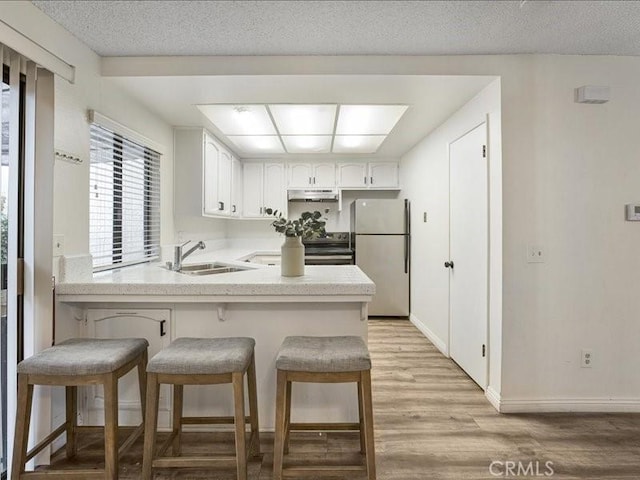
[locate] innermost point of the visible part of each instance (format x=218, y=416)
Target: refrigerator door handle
x=406, y=253
x=407, y=238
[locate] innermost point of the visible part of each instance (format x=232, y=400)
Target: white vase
x=292, y=262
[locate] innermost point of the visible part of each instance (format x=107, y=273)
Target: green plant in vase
x=309, y=225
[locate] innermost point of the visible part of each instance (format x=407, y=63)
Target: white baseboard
x=578, y=405
x=493, y=397
x=433, y=338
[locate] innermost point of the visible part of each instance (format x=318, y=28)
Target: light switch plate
x=535, y=254
x=58, y=245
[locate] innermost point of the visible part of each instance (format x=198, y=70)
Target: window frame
x=149, y=170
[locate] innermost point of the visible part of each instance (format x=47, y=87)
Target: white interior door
x=469, y=251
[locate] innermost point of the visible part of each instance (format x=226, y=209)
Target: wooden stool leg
x=110, y=427
x=361, y=419
x=368, y=424
x=253, y=405
x=150, y=425
x=178, y=395
x=238, y=397
x=71, y=393
x=287, y=418
x=278, y=447
x=142, y=382
x=23, y=418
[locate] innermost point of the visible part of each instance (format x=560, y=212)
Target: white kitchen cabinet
x=210, y=176
x=312, y=175
x=263, y=187
x=368, y=175
x=274, y=187
x=236, y=188
x=152, y=324
x=252, y=180
x=217, y=179
x=203, y=174
x=352, y=175
x=224, y=183
x=300, y=175
x=383, y=174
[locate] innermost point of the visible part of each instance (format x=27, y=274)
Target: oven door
x=328, y=260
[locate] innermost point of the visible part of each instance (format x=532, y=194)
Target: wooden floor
x=433, y=422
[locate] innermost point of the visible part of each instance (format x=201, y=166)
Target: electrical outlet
x=586, y=359
x=535, y=254
x=58, y=245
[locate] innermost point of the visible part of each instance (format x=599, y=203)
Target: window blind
x=124, y=206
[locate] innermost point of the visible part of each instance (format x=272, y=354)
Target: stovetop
x=334, y=243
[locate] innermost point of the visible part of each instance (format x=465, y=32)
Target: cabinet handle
x=260, y=210
x=233, y=209
x=314, y=180
x=371, y=180
x=162, y=330
x=365, y=180
x=220, y=206
x=309, y=180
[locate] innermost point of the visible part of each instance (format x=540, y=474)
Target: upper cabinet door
x=224, y=183
x=252, y=184
x=324, y=175
x=352, y=175
x=275, y=190
x=383, y=175
x=210, y=180
x=236, y=187
x=300, y=175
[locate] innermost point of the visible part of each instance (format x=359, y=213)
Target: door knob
x=448, y=265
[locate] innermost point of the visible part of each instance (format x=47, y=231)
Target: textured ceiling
x=132, y=28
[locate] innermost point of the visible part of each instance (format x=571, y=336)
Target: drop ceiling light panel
x=239, y=119
x=368, y=119
x=257, y=144
x=357, y=143
x=304, y=119
x=307, y=143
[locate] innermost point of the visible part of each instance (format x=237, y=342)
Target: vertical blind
x=124, y=207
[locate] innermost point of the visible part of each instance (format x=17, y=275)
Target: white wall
x=568, y=195
x=424, y=174
x=90, y=91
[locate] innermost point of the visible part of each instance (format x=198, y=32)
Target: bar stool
x=323, y=360
x=73, y=363
x=202, y=361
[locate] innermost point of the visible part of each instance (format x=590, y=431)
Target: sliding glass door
x=11, y=226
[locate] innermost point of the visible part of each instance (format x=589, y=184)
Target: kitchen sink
x=208, y=269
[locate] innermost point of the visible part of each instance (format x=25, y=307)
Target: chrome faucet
x=178, y=256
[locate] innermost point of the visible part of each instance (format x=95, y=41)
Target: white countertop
x=259, y=280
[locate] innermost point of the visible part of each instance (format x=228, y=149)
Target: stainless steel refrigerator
x=382, y=239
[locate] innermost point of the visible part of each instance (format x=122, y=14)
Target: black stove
x=332, y=249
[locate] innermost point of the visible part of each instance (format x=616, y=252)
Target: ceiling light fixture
x=368, y=119
x=302, y=128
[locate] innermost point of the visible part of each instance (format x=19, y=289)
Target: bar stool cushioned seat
x=203, y=356
x=84, y=356
x=343, y=359
x=323, y=354
x=72, y=363
x=202, y=361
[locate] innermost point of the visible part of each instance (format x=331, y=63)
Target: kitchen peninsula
x=161, y=305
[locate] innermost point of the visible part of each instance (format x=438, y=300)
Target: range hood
x=330, y=195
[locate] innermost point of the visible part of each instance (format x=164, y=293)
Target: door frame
x=485, y=121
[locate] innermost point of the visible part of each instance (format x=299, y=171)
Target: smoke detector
x=592, y=94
